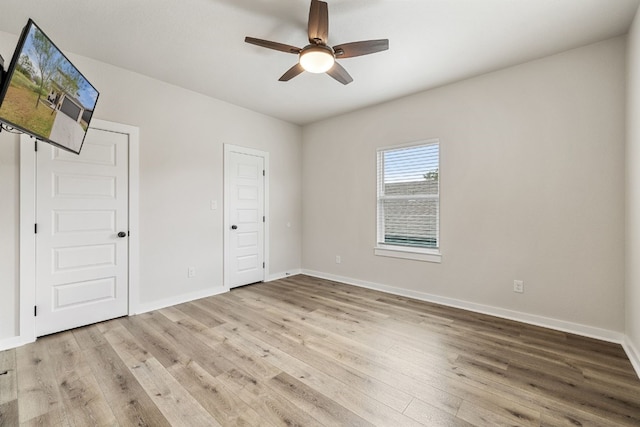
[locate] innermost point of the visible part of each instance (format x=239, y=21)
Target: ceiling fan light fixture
x=317, y=59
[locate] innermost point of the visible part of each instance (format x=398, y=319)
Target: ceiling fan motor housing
x=318, y=56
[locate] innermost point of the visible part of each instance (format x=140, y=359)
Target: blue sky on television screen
x=62, y=69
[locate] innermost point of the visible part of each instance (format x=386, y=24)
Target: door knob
x=122, y=234
x=234, y=227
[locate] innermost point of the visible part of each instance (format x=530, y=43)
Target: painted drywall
x=632, y=296
x=532, y=188
x=9, y=219
x=181, y=171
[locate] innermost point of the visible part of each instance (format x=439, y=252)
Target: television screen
x=44, y=95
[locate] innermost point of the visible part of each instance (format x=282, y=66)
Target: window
x=409, y=201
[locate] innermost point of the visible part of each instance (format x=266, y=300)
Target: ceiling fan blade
x=273, y=45
x=349, y=50
x=340, y=74
x=291, y=73
x=318, y=22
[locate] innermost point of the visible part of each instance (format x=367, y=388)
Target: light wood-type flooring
x=305, y=351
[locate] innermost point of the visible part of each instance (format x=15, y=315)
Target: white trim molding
x=27, y=327
x=632, y=353
x=13, y=342
x=28, y=172
x=407, y=253
x=283, y=275
x=179, y=299
x=532, y=319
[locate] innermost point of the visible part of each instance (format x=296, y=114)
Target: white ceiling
x=199, y=44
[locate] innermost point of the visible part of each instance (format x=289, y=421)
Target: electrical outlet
x=518, y=286
x=338, y=259
x=191, y=272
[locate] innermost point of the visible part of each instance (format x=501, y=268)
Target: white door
x=82, y=229
x=245, y=220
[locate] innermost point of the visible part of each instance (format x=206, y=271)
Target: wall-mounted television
x=44, y=95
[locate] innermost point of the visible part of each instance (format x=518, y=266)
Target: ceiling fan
x=318, y=56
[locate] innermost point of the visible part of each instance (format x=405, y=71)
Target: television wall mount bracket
x=7, y=128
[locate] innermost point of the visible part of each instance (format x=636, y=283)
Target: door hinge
x=35, y=310
x=262, y=218
x=35, y=228
x=263, y=265
x=263, y=173
x=35, y=145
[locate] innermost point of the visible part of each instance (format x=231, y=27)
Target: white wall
x=633, y=192
x=9, y=238
x=532, y=188
x=9, y=218
x=181, y=153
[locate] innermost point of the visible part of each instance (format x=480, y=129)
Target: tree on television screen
x=25, y=66
x=68, y=78
x=47, y=59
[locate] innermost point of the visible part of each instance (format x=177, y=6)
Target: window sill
x=409, y=253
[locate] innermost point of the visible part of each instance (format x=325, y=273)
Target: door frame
x=28, y=170
x=229, y=148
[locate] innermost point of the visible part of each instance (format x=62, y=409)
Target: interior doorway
x=76, y=266
x=245, y=216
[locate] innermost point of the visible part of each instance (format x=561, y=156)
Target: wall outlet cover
x=518, y=286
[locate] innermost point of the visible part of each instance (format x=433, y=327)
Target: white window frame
x=400, y=251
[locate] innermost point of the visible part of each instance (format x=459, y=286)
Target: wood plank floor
x=305, y=351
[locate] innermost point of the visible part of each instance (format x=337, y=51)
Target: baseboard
x=282, y=275
x=13, y=342
x=178, y=299
x=632, y=353
x=546, y=322
x=560, y=325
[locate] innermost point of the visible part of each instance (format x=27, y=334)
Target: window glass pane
x=408, y=196
x=410, y=222
x=412, y=170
